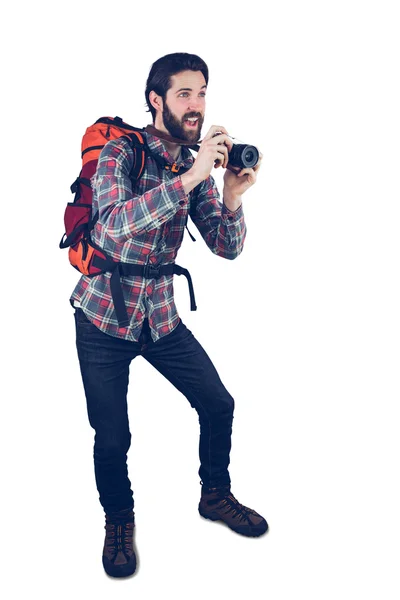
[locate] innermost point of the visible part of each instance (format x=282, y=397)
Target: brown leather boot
x=119, y=559
x=219, y=504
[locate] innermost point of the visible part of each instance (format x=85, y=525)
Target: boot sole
x=248, y=533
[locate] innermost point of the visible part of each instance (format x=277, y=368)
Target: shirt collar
x=157, y=146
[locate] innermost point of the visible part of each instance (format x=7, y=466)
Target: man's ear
x=155, y=100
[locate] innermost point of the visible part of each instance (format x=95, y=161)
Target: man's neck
x=173, y=149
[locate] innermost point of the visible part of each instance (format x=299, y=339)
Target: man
x=144, y=224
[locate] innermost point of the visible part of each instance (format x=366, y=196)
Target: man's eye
x=186, y=93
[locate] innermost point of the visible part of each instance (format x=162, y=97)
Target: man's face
x=185, y=99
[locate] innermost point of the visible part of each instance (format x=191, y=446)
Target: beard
x=177, y=127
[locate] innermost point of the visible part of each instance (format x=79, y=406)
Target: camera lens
x=243, y=156
x=249, y=156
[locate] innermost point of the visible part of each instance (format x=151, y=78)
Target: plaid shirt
x=144, y=223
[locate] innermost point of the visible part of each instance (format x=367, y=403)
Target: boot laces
x=119, y=534
x=229, y=502
x=232, y=504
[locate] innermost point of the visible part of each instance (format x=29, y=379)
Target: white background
x=303, y=327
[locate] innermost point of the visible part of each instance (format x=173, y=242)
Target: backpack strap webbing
x=148, y=271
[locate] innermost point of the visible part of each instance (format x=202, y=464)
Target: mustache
x=191, y=116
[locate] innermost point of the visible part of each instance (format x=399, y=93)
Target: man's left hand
x=235, y=184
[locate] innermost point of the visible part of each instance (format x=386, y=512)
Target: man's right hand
x=213, y=152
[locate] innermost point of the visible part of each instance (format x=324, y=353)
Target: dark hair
x=159, y=78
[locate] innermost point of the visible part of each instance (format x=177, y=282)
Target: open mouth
x=192, y=122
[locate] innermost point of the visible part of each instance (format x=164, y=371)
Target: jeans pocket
x=81, y=318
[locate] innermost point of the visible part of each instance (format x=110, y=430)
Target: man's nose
x=195, y=104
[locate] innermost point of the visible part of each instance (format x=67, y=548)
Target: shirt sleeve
x=122, y=213
x=223, y=230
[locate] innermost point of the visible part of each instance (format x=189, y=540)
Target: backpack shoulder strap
x=140, y=148
x=138, y=144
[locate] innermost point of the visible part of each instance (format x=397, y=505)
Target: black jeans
x=104, y=362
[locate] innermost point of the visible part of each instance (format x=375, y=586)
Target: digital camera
x=242, y=156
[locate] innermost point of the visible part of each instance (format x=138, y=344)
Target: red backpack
x=78, y=218
x=84, y=255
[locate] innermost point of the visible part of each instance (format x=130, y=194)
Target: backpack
x=84, y=255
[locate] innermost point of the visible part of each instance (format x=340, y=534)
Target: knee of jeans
x=112, y=445
x=224, y=408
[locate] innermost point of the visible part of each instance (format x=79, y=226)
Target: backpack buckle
x=151, y=271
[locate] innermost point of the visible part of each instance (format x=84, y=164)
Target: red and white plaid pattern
x=145, y=224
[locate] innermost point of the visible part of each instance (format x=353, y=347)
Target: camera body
x=242, y=156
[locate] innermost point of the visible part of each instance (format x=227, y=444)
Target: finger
x=213, y=130
x=251, y=176
x=220, y=158
x=223, y=139
x=223, y=150
x=245, y=171
x=226, y=140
